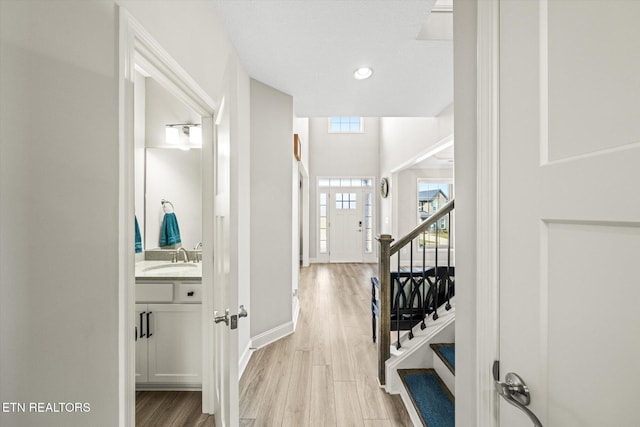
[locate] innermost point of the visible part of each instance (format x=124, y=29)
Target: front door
x=570, y=209
x=347, y=222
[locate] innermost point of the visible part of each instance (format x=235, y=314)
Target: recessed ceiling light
x=362, y=73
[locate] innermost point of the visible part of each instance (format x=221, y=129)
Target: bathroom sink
x=169, y=268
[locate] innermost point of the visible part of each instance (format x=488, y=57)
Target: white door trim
x=137, y=46
x=487, y=225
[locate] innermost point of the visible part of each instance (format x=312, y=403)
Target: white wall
x=59, y=191
x=163, y=108
x=272, y=205
x=465, y=18
x=335, y=154
x=59, y=210
x=402, y=140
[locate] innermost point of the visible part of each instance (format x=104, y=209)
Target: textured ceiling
x=310, y=49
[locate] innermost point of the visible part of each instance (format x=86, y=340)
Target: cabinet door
x=175, y=343
x=141, y=343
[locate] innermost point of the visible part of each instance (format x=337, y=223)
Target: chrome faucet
x=186, y=255
x=197, y=252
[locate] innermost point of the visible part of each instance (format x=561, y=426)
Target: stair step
x=447, y=353
x=430, y=396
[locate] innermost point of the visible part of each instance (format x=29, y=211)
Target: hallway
x=325, y=373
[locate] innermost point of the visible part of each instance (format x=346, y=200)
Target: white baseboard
x=272, y=335
x=244, y=359
x=296, y=312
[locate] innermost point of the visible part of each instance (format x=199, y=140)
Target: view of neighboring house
x=429, y=201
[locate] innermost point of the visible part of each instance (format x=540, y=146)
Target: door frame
x=137, y=46
x=487, y=332
x=326, y=257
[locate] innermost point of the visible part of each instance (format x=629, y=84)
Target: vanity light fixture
x=172, y=135
x=195, y=135
x=183, y=136
x=363, y=73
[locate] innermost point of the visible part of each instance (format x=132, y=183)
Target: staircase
x=430, y=391
x=419, y=298
x=423, y=373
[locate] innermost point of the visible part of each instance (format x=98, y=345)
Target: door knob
x=515, y=391
x=219, y=319
x=242, y=312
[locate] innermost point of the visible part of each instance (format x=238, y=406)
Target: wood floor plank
x=377, y=423
x=323, y=405
x=296, y=413
x=398, y=414
x=371, y=400
x=348, y=412
x=171, y=409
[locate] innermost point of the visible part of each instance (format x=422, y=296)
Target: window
x=345, y=182
x=368, y=223
x=340, y=124
x=346, y=201
x=323, y=223
x=431, y=197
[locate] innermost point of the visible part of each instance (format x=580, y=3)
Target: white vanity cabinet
x=169, y=335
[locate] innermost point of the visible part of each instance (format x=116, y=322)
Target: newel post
x=384, y=319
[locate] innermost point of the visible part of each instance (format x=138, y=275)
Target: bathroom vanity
x=168, y=324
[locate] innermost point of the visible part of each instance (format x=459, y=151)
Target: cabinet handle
x=149, y=334
x=190, y=293
x=136, y=334
x=142, y=335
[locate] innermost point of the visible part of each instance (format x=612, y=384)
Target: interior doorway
x=141, y=54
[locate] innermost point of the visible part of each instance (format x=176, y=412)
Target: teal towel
x=138, y=237
x=169, y=232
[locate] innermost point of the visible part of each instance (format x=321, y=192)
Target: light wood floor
x=325, y=373
x=171, y=409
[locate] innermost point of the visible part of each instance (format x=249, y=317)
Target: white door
x=346, y=226
x=570, y=210
x=225, y=291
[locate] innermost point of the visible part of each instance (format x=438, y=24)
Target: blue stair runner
x=447, y=353
x=430, y=396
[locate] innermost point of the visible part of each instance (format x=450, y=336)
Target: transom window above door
x=343, y=124
x=345, y=182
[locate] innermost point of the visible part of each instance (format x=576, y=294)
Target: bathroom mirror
x=165, y=170
x=173, y=175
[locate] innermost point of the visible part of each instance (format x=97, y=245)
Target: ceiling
x=310, y=48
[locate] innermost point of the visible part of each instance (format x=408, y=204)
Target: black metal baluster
x=400, y=288
x=436, y=284
x=448, y=306
x=423, y=296
x=409, y=303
